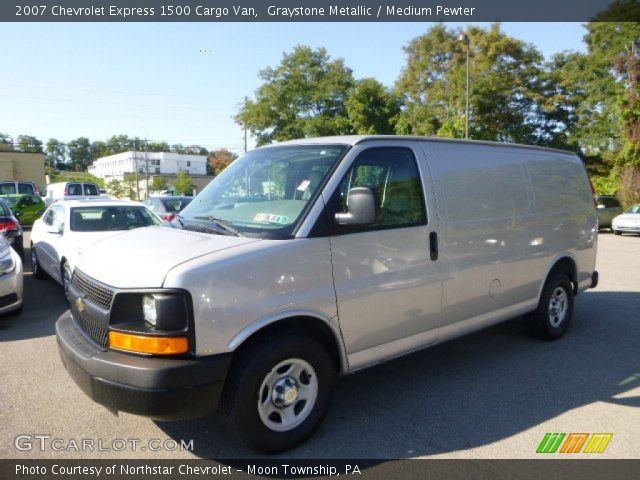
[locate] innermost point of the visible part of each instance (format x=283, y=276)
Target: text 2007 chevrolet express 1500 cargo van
x=319, y=257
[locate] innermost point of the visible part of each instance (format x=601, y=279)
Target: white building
x=153, y=163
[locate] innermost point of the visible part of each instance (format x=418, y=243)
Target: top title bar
x=320, y=11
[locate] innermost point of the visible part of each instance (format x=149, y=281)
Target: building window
x=157, y=169
x=188, y=164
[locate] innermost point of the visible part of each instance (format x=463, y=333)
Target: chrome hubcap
x=66, y=277
x=558, y=306
x=287, y=395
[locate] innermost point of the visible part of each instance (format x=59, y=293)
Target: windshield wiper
x=219, y=226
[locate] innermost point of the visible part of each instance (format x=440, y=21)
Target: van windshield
x=266, y=191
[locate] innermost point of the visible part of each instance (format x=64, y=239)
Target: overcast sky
x=183, y=82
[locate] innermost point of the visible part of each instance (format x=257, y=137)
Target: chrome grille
x=98, y=332
x=94, y=292
x=86, y=291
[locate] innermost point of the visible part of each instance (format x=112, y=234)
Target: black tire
x=20, y=251
x=244, y=389
x=617, y=232
x=546, y=322
x=63, y=266
x=35, y=264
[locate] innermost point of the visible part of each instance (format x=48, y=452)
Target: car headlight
x=7, y=263
x=149, y=311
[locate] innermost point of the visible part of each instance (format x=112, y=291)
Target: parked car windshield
x=173, y=205
x=7, y=188
x=4, y=209
x=98, y=219
x=634, y=209
x=11, y=200
x=266, y=191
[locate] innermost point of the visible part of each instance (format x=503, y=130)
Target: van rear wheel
x=278, y=391
x=555, y=310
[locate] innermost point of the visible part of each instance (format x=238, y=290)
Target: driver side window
x=393, y=177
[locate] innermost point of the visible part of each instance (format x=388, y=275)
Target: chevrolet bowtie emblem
x=80, y=304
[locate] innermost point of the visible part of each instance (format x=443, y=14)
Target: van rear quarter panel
x=506, y=215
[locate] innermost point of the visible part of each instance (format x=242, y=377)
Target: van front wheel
x=278, y=391
x=553, y=315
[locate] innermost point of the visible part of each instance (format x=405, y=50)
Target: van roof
x=357, y=139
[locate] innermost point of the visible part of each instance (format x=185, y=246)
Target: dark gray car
x=608, y=207
x=167, y=207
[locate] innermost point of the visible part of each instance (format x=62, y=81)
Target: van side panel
x=506, y=214
x=482, y=197
x=565, y=211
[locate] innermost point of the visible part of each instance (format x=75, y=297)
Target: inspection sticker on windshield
x=303, y=185
x=271, y=218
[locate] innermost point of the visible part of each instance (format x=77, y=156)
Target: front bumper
x=160, y=388
x=626, y=228
x=11, y=287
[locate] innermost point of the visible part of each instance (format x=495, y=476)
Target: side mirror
x=362, y=208
x=59, y=231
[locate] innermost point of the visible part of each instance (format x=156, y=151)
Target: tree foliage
x=80, y=154
x=55, y=152
x=117, y=189
x=372, y=108
x=183, y=184
x=29, y=144
x=505, y=86
x=221, y=159
x=158, y=183
x=304, y=96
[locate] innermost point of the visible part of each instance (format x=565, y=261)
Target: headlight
x=7, y=263
x=149, y=311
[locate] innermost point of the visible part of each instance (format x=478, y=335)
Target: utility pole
x=246, y=101
x=146, y=163
x=135, y=162
x=465, y=38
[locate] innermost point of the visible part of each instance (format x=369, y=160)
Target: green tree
x=303, y=96
x=55, y=152
x=80, y=154
x=117, y=189
x=29, y=144
x=183, y=184
x=221, y=159
x=5, y=139
x=158, y=183
x=98, y=149
x=130, y=187
x=158, y=147
x=372, y=108
x=504, y=85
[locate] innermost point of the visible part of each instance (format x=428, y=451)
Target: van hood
x=142, y=258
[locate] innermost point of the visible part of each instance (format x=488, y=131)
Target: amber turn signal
x=148, y=344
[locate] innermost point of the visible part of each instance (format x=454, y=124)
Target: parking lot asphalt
x=492, y=394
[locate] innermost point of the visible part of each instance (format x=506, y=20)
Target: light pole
x=465, y=38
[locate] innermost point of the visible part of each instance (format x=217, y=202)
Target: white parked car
x=10, y=279
x=628, y=222
x=68, y=227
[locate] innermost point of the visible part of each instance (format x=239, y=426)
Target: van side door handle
x=433, y=246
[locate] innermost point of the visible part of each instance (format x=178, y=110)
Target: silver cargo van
x=319, y=257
